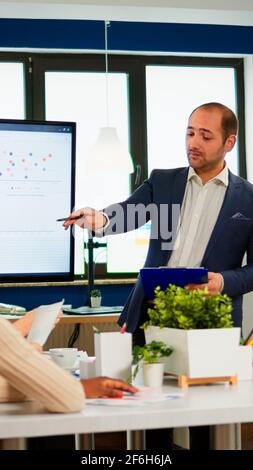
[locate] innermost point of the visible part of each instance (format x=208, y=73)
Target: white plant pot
x=245, y=363
x=95, y=301
x=199, y=353
x=113, y=351
x=153, y=374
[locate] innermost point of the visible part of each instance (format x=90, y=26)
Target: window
x=172, y=94
x=12, y=90
x=81, y=97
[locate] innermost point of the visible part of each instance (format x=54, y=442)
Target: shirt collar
x=222, y=177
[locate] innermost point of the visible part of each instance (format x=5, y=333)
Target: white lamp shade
x=108, y=154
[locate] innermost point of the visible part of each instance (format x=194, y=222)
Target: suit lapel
x=177, y=196
x=179, y=185
x=228, y=207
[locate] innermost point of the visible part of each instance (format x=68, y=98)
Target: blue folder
x=153, y=277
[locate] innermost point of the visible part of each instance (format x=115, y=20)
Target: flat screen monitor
x=37, y=171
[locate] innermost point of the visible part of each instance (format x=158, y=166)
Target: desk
x=217, y=405
x=74, y=319
x=61, y=333
x=89, y=319
x=98, y=315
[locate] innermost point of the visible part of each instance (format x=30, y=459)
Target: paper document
x=145, y=396
x=43, y=322
x=7, y=308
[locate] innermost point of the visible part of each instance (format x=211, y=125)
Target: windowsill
x=82, y=282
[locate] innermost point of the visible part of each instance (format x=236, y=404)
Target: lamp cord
x=107, y=25
x=138, y=175
x=76, y=331
x=74, y=335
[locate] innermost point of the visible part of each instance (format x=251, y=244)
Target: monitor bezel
x=57, y=276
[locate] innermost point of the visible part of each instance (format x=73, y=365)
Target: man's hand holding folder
x=214, y=285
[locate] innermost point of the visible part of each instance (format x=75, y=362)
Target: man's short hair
x=229, y=121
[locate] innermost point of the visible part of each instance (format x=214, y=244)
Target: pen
x=123, y=328
x=250, y=342
x=70, y=218
x=250, y=335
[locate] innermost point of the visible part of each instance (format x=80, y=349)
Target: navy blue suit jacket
x=231, y=238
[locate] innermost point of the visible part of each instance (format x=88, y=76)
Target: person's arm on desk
x=25, y=373
x=99, y=387
x=36, y=377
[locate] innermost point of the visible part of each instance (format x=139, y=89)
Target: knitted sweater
x=26, y=374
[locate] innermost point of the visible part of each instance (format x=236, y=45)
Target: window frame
x=25, y=59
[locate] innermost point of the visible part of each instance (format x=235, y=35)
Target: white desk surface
x=200, y=405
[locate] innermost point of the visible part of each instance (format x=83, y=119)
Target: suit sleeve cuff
x=222, y=283
x=101, y=231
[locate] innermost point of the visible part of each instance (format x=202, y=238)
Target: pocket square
x=239, y=216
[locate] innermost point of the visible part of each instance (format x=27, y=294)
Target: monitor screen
x=36, y=188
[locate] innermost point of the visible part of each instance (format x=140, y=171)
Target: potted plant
x=95, y=298
x=199, y=329
x=150, y=356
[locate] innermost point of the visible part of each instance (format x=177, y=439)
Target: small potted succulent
x=150, y=356
x=95, y=298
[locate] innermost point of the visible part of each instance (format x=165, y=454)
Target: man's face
x=205, y=142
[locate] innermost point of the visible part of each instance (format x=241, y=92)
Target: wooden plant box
x=183, y=381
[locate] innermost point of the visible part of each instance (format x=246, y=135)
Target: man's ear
x=230, y=142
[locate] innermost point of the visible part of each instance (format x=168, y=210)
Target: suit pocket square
x=239, y=216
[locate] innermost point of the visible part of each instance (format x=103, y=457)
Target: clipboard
x=153, y=277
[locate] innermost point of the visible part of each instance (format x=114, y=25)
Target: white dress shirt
x=199, y=213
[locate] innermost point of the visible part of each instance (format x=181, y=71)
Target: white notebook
x=43, y=322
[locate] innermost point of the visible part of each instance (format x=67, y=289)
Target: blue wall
x=129, y=36
x=123, y=35
x=31, y=297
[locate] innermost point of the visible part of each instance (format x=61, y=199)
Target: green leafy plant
x=150, y=353
x=95, y=293
x=178, y=307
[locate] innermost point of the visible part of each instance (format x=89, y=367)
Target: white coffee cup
x=64, y=357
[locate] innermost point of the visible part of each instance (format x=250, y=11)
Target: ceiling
x=242, y=5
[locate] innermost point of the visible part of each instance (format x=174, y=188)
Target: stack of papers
x=145, y=396
x=16, y=309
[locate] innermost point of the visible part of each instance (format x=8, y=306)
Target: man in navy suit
x=216, y=224
x=215, y=229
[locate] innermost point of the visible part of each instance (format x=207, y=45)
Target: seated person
x=27, y=374
x=24, y=323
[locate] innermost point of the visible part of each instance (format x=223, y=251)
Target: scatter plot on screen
x=35, y=189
